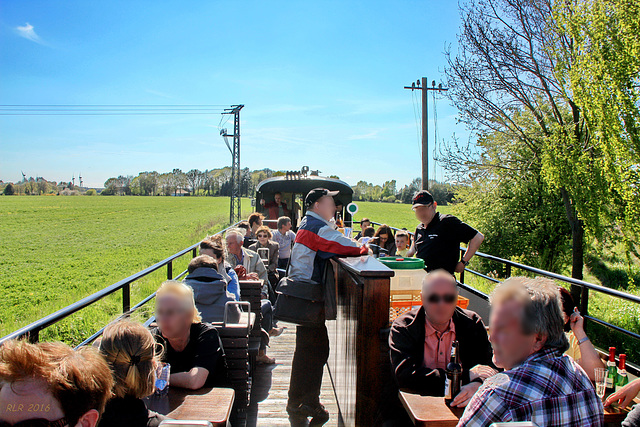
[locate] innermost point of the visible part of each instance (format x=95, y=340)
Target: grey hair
x=238, y=232
x=542, y=313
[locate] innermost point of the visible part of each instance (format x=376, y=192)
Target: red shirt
x=437, y=345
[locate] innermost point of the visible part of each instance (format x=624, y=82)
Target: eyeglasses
x=36, y=422
x=446, y=298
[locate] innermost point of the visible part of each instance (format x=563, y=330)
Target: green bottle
x=622, y=379
x=612, y=372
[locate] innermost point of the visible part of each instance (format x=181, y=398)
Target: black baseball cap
x=422, y=198
x=315, y=195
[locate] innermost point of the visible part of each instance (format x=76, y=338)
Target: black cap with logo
x=422, y=198
x=315, y=195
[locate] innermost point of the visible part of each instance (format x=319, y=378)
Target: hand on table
x=465, y=395
x=253, y=276
x=625, y=395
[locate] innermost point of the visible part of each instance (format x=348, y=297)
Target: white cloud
x=28, y=33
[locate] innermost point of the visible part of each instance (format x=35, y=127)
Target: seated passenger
x=254, y=268
x=580, y=347
x=385, y=241
x=255, y=222
x=420, y=341
x=367, y=234
x=402, y=243
x=623, y=397
x=210, y=290
x=191, y=347
x=248, y=241
x=277, y=208
x=130, y=350
x=264, y=242
x=247, y=258
x=50, y=384
x=214, y=247
x=364, y=224
x=539, y=384
x=284, y=237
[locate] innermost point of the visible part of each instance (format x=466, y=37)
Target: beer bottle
x=453, y=379
x=622, y=379
x=612, y=372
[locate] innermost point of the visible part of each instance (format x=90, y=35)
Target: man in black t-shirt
x=192, y=348
x=438, y=237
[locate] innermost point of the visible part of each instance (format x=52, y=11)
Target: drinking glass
x=162, y=379
x=600, y=377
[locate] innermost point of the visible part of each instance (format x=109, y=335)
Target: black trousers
x=309, y=358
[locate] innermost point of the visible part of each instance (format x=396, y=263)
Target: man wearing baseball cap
x=438, y=237
x=316, y=242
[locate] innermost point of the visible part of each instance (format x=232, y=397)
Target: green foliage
x=8, y=190
x=90, y=192
x=57, y=250
x=603, y=69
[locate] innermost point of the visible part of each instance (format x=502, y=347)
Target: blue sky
x=322, y=83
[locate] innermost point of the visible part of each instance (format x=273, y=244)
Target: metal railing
x=584, y=301
x=32, y=331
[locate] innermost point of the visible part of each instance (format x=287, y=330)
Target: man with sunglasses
x=438, y=237
x=51, y=385
x=420, y=342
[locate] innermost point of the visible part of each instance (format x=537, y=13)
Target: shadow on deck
x=271, y=384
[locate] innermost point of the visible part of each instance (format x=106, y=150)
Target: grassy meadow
x=56, y=250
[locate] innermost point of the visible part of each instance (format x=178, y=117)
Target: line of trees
x=214, y=182
x=443, y=193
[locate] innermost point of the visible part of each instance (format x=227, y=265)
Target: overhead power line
x=108, y=109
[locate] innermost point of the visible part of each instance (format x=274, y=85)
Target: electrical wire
x=108, y=109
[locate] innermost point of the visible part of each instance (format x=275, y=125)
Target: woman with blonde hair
x=130, y=350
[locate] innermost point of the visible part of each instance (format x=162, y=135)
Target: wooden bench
x=211, y=404
x=251, y=291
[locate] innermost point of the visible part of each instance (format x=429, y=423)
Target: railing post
x=34, y=336
x=462, y=272
x=170, y=270
x=508, y=271
x=126, y=298
x=194, y=252
x=584, y=301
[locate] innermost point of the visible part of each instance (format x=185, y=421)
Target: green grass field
x=394, y=214
x=56, y=250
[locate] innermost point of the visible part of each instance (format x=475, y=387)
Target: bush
x=389, y=199
x=8, y=190
x=90, y=192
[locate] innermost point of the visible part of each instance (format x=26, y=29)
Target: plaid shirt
x=547, y=388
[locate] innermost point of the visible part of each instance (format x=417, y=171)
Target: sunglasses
x=36, y=422
x=446, y=298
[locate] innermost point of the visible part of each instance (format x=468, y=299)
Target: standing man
x=285, y=238
x=316, y=242
x=438, y=237
x=277, y=208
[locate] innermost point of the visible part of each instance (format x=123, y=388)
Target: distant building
x=180, y=192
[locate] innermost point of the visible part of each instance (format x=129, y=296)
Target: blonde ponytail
x=129, y=349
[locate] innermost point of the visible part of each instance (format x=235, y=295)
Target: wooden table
x=211, y=404
x=432, y=411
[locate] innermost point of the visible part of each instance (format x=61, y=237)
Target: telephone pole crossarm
x=425, y=123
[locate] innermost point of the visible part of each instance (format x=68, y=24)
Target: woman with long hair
x=384, y=239
x=130, y=351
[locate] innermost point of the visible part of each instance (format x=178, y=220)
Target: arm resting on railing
x=472, y=248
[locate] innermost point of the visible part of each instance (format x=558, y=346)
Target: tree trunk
x=580, y=295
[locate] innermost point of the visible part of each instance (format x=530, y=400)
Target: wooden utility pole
x=425, y=124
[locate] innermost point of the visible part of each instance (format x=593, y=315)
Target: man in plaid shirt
x=539, y=384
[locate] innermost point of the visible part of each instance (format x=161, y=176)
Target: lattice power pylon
x=235, y=214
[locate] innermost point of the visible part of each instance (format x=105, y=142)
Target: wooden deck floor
x=271, y=384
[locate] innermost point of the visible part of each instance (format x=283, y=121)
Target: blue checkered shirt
x=547, y=388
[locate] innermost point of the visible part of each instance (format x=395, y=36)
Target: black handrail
x=32, y=330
